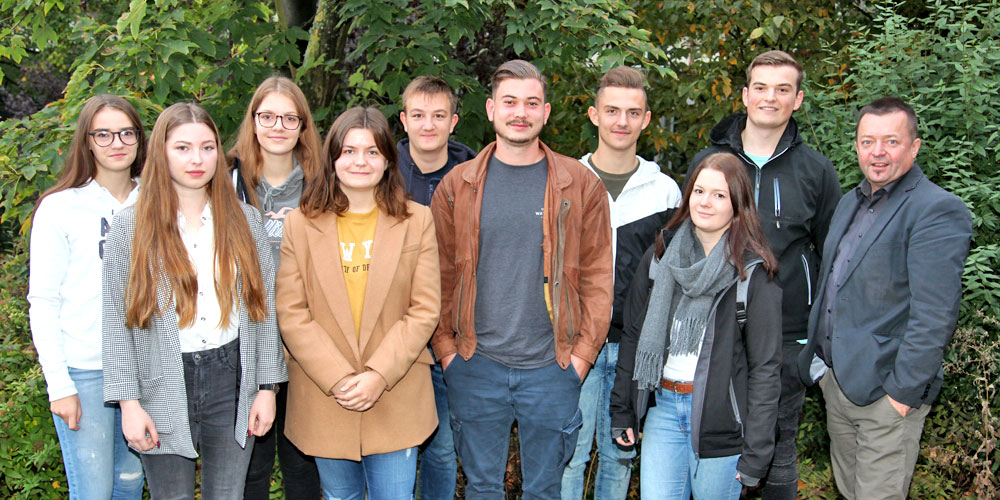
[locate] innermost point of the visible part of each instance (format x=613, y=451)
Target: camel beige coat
x=401, y=308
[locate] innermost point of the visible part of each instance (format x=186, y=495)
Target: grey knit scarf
x=683, y=268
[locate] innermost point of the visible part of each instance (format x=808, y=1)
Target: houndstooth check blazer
x=145, y=363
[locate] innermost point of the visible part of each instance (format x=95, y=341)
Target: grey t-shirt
x=512, y=322
x=275, y=202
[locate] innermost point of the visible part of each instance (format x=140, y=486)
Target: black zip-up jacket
x=737, y=380
x=797, y=191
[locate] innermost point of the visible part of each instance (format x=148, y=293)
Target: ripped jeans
x=385, y=476
x=486, y=398
x=99, y=464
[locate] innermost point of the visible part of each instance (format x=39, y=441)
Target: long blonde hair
x=158, y=251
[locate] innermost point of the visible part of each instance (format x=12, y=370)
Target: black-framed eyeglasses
x=104, y=138
x=288, y=122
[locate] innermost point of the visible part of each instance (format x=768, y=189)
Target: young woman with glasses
x=359, y=289
x=99, y=179
x=275, y=156
x=190, y=345
x=708, y=370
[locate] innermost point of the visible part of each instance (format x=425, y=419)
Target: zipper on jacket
x=777, y=204
x=756, y=184
x=559, y=266
x=474, y=253
x=736, y=408
x=756, y=187
x=809, y=285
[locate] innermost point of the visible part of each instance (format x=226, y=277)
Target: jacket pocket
x=570, y=433
x=809, y=283
x=886, y=348
x=457, y=303
x=736, y=407
x=571, y=291
x=153, y=399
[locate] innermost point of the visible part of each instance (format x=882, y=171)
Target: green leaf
x=756, y=33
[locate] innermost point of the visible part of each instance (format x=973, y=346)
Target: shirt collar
x=864, y=190
x=206, y=215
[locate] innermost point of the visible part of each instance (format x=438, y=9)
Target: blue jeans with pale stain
x=438, y=461
x=486, y=398
x=212, y=383
x=385, y=476
x=669, y=468
x=614, y=464
x=99, y=464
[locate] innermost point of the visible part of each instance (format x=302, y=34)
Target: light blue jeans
x=386, y=476
x=99, y=465
x=669, y=469
x=614, y=464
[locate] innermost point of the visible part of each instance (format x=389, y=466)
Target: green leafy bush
x=945, y=61
x=32, y=464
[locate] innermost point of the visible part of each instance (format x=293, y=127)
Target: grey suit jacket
x=145, y=363
x=897, y=306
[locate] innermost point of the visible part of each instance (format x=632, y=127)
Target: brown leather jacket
x=579, y=274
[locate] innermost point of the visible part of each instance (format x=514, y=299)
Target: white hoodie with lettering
x=64, y=281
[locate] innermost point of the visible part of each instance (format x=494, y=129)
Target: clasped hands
x=359, y=392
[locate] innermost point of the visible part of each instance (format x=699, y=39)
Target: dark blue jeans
x=212, y=382
x=300, y=479
x=438, y=462
x=486, y=398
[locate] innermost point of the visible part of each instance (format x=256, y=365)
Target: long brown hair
x=80, y=166
x=158, y=251
x=247, y=149
x=325, y=194
x=745, y=234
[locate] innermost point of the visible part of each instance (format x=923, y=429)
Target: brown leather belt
x=678, y=387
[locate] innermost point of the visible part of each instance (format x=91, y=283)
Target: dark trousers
x=212, y=382
x=782, y=480
x=300, y=480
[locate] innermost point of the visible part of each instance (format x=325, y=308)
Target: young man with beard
x=641, y=198
x=426, y=154
x=796, y=190
x=524, y=238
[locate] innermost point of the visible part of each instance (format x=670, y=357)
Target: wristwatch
x=268, y=387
